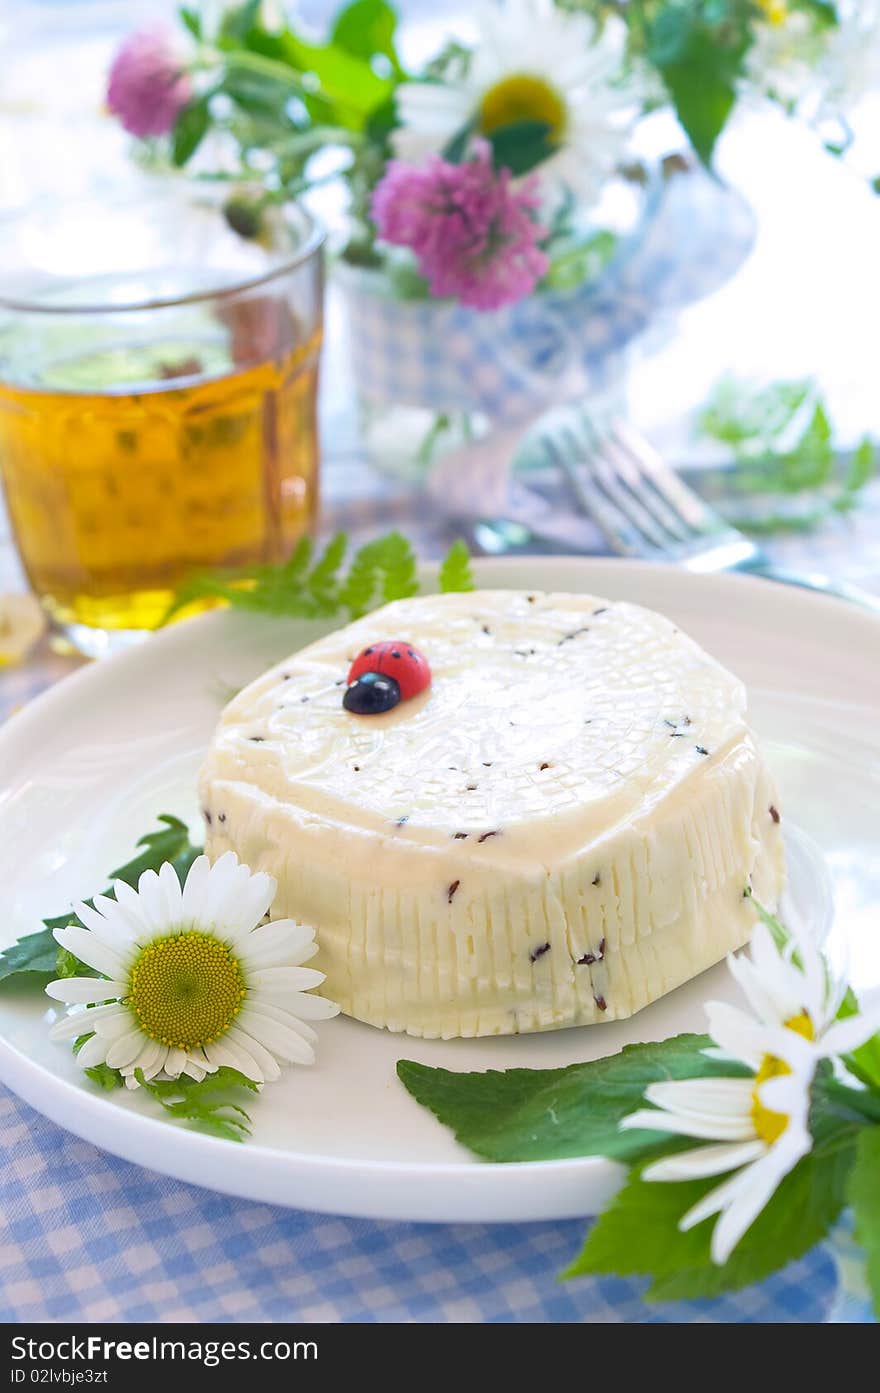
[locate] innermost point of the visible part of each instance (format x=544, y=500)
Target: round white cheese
x=558, y=831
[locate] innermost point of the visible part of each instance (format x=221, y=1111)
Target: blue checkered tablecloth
x=84, y=1236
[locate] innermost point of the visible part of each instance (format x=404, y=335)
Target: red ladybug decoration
x=384, y=674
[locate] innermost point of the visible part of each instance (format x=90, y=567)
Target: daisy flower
x=191, y=979
x=532, y=62
x=756, y=1128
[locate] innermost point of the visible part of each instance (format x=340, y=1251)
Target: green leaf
x=189, y=130
x=862, y=466
x=701, y=57
x=345, y=85
x=638, y=1234
x=170, y=843
x=456, y=149
x=238, y=23
x=211, y=1105
x=104, y=1076
x=548, y=1114
x=191, y=20
x=455, y=570
x=366, y=28
x=37, y=958
x=33, y=956
x=863, y=1194
x=521, y=145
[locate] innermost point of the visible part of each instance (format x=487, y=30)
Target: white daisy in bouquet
x=532, y=62
x=190, y=978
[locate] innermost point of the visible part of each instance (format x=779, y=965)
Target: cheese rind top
x=554, y=718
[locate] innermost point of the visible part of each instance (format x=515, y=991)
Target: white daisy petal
x=848, y=1034
x=93, y=1052
x=133, y=911
x=194, y=890
x=264, y=1058
x=713, y=1129
x=85, y=990
x=294, y=979
x=716, y=1199
x=111, y=1027
x=124, y=1048
x=257, y=1001
x=304, y=1005
x=109, y=926
x=736, y=1033
x=174, y=1062
x=91, y=951
x=229, y=1054
x=708, y=1096
x=761, y=1180
x=704, y=1161
x=278, y=1038
x=77, y=1023
x=169, y=884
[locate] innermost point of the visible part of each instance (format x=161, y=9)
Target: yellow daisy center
x=770, y=1125
x=776, y=11
x=521, y=97
x=186, y=990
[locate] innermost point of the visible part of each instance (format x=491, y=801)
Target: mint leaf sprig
x=36, y=958
x=310, y=587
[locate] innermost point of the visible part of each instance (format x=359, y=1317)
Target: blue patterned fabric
x=443, y=357
x=86, y=1237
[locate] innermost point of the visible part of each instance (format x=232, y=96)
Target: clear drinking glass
x=158, y=381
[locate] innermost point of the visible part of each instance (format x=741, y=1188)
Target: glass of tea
x=158, y=381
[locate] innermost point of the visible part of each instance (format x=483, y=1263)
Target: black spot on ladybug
x=537, y=953
x=369, y=650
x=774, y=813
x=371, y=694
x=450, y=893
x=395, y=653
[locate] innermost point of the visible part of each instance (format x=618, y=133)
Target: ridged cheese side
x=537, y=841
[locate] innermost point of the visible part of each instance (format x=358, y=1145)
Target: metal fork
x=645, y=510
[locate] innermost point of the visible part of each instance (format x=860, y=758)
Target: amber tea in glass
x=161, y=420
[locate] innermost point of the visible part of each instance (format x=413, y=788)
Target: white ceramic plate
x=86, y=768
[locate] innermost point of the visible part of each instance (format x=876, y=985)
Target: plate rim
x=87, y=1115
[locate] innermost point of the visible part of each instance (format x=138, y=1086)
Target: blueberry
x=371, y=694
